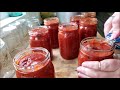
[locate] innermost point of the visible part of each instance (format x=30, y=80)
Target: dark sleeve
x=102, y=17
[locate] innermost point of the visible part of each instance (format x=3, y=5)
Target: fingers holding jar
x=93, y=52
x=109, y=68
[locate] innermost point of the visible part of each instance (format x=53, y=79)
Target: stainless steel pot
x=64, y=17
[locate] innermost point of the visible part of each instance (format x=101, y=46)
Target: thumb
x=116, y=26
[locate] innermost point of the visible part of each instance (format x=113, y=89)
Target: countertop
x=66, y=68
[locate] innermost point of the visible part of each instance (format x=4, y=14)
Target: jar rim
x=66, y=26
x=23, y=52
x=77, y=17
x=51, y=20
x=88, y=21
x=90, y=38
x=33, y=32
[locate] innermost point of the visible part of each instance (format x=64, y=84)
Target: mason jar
x=33, y=63
x=89, y=14
x=40, y=37
x=94, y=49
x=53, y=23
x=87, y=28
x=68, y=40
x=76, y=18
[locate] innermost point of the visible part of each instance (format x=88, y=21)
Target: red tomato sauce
x=68, y=41
x=34, y=66
x=40, y=37
x=76, y=19
x=53, y=23
x=87, y=28
x=94, y=50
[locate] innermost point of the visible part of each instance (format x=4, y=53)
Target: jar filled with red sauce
x=34, y=63
x=94, y=49
x=68, y=40
x=53, y=23
x=40, y=37
x=87, y=28
x=89, y=14
x=76, y=18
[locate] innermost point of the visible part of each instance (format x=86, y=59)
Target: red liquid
x=54, y=35
x=40, y=37
x=53, y=30
x=40, y=70
x=94, y=50
x=76, y=19
x=68, y=43
x=87, y=28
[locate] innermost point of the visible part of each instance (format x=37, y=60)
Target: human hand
x=112, y=25
x=109, y=68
